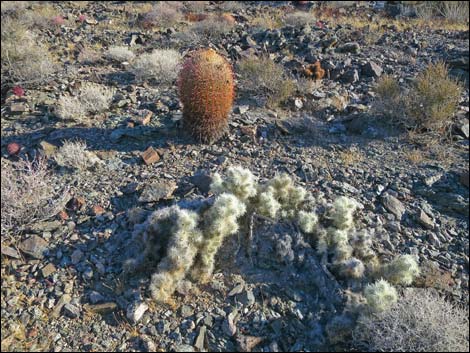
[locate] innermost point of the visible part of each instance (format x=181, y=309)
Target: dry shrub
x=434, y=98
x=390, y=102
x=23, y=57
x=29, y=194
x=13, y=7
x=92, y=98
x=70, y=108
x=267, y=21
x=419, y=322
x=428, y=105
x=164, y=14
x=208, y=30
x=161, y=65
x=265, y=79
x=41, y=16
x=195, y=6
x=74, y=155
x=96, y=98
x=454, y=11
x=120, y=54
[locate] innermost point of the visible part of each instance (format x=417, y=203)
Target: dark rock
x=350, y=76
x=351, y=47
x=371, y=69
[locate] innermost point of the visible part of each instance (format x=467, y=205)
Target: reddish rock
x=97, y=210
x=63, y=215
x=150, y=156
x=13, y=148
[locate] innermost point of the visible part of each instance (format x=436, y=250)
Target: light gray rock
x=393, y=205
x=136, y=310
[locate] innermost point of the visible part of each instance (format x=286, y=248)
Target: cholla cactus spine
x=181, y=250
x=402, y=270
x=343, y=211
x=307, y=221
x=221, y=221
x=238, y=181
x=380, y=295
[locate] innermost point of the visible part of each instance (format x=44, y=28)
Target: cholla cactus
x=220, y=221
x=307, y=221
x=380, y=295
x=181, y=251
x=266, y=203
x=351, y=268
x=239, y=181
x=361, y=241
x=343, y=211
x=402, y=270
x=287, y=194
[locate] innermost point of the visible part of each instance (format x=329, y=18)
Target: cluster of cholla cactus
x=180, y=242
x=206, y=89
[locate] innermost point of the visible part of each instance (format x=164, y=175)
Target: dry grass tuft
x=299, y=19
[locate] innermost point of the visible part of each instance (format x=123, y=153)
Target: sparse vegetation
x=161, y=66
x=120, y=54
x=24, y=58
x=299, y=19
x=433, y=99
x=92, y=98
x=28, y=194
x=163, y=15
x=74, y=155
x=263, y=78
x=419, y=321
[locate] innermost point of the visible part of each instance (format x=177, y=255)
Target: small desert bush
x=267, y=21
x=13, y=7
x=195, y=6
x=164, y=14
x=70, y=108
x=434, y=98
x=299, y=19
x=420, y=321
x=210, y=29
x=454, y=11
x=43, y=16
x=23, y=57
x=74, y=155
x=390, y=101
x=96, y=98
x=120, y=54
x=28, y=193
x=264, y=78
x=161, y=65
x=92, y=98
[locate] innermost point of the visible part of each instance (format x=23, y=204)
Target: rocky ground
x=62, y=287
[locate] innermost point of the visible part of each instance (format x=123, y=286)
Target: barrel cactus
x=206, y=89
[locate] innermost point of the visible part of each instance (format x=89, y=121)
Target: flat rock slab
x=34, y=246
x=393, y=205
x=158, y=191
